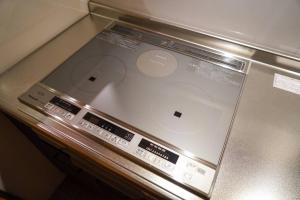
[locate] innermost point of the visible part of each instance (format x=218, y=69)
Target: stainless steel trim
x=228, y=132
x=215, y=43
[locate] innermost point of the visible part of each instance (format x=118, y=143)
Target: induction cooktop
x=164, y=103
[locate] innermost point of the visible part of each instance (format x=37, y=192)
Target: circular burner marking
x=156, y=63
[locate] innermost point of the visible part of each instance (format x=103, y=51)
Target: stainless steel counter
x=262, y=157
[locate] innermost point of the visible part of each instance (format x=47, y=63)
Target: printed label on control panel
x=159, y=151
x=58, y=111
x=65, y=105
x=108, y=126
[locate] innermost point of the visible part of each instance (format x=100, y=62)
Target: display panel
x=65, y=105
x=108, y=126
x=159, y=151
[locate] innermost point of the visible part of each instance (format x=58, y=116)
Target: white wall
x=272, y=24
x=25, y=25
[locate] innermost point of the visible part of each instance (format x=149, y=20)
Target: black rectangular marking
x=159, y=151
x=65, y=105
x=108, y=126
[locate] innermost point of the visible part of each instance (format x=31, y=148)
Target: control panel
x=105, y=130
x=61, y=108
x=159, y=157
x=156, y=155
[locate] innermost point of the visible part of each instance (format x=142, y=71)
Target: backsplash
x=26, y=25
x=269, y=24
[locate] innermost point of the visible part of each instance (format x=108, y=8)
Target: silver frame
x=240, y=51
x=134, y=129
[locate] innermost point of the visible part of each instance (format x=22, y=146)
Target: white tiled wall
x=26, y=25
x=271, y=24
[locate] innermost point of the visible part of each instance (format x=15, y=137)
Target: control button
x=85, y=124
x=167, y=165
x=90, y=126
x=140, y=152
x=195, y=167
x=191, y=165
x=53, y=109
x=63, y=113
x=187, y=176
x=200, y=171
x=114, y=139
x=49, y=106
x=106, y=135
x=99, y=131
x=69, y=116
x=124, y=143
x=150, y=157
x=56, y=110
x=81, y=122
x=59, y=112
x=158, y=161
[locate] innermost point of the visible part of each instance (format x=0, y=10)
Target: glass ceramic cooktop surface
x=184, y=101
